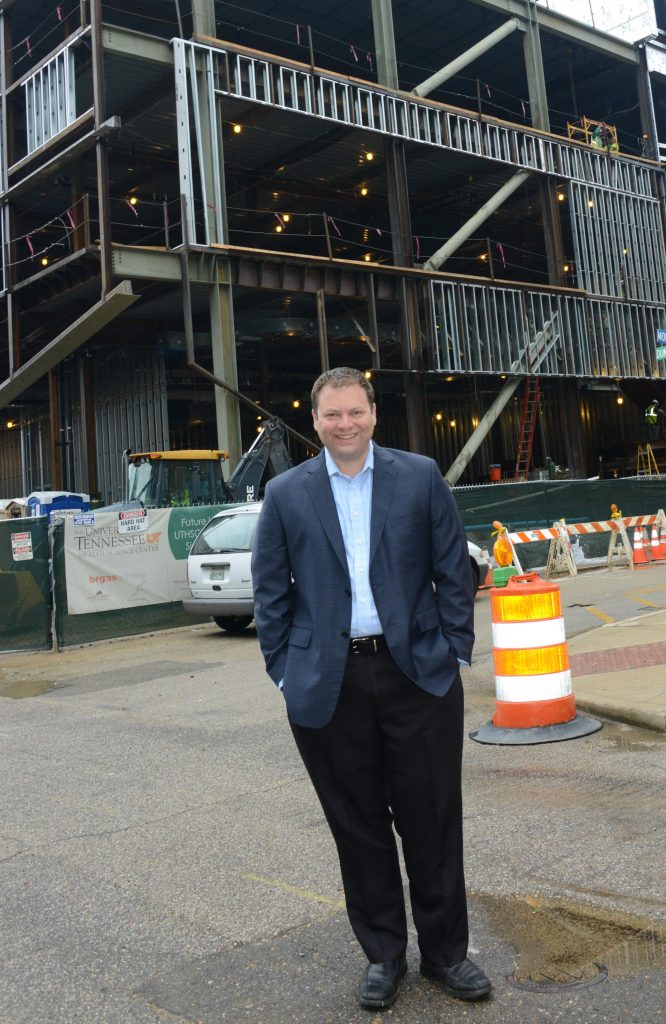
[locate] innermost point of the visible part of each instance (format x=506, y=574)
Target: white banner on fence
x=108, y=566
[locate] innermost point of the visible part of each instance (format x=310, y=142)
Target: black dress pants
x=392, y=754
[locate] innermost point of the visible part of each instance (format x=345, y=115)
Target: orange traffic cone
x=642, y=554
x=656, y=547
x=534, y=700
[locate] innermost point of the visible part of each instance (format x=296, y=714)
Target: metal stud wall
x=270, y=82
x=130, y=410
x=618, y=243
x=50, y=99
x=11, y=479
x=489, y=329
x=25, y=454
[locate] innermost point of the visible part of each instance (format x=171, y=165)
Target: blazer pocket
x=300, y=636
x=428, y=618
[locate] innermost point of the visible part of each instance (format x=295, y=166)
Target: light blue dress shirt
x=353, y=500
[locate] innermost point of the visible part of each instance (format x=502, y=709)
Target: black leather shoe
x=381, y=983
x=464, y=980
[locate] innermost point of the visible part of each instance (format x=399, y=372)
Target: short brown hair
x=341, y=377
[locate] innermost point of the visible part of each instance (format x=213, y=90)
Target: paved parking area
x=164, y=859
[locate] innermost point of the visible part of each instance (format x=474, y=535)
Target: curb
x=642, y=717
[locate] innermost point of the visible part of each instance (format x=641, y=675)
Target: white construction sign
x=22, y=546
x=129, y=559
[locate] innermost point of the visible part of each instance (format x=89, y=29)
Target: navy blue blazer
x=419, y=574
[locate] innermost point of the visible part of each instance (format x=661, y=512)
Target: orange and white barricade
x=534, y=698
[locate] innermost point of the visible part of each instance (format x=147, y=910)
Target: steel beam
x=92, y=321
x=162, y=265
x=127, y=43
x=466, y=58
x=567, y=28
x=73, y=152
x=468, y=229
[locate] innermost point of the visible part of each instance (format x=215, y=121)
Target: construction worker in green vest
x=652, y=414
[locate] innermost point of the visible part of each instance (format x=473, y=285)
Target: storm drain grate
x=558, y=979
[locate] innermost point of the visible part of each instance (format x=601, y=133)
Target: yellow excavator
x=195, y=477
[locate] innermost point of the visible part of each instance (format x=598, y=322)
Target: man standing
x=652, y=414
x=364, y=609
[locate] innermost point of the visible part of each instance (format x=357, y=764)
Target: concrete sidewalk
x=619, y=670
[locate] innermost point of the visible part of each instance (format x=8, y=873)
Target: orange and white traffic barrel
x=656, y=547
x=534, y=697
x=642, y=553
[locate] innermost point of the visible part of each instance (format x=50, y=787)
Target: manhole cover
x=558, y=979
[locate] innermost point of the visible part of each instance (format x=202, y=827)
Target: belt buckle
x=365, y=644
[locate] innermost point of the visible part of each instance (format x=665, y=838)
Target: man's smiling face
x=345, y=422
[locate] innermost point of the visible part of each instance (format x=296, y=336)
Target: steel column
x=646, y=106
x=323, y=335
x=223, y=342
x=571, y=427
x=101, y=149
x=401, y=234
x=203, y=18
x=536, y=81
x=536, y=85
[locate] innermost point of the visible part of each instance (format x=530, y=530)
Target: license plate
x=217, y=574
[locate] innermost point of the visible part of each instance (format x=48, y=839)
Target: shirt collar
x=333, y=469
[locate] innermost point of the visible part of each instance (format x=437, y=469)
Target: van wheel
x=232, y=623
x=475, y=576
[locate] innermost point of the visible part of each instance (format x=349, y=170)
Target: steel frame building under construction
x=454, y=196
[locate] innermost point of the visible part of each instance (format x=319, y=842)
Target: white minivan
x=218, y=568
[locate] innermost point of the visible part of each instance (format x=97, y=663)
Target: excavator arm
x=267, y=450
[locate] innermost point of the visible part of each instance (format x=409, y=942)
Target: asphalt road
x=163, y=857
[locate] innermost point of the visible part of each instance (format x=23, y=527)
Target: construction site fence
x=539, y=503
x=25, y=585
x=34, y=612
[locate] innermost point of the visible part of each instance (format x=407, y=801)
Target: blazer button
x=348, y=593
x=345, y=634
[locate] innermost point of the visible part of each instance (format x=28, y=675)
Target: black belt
x=367, y=644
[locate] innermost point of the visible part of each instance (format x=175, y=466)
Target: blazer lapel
x=383, y=486
x=319, y=488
